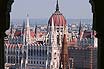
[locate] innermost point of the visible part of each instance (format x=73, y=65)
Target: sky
x=72, y=9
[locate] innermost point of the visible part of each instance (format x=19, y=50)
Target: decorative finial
x=57, y=6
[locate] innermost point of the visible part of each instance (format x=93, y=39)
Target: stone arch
x=5, y=8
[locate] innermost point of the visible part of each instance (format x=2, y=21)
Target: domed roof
x=58, y=18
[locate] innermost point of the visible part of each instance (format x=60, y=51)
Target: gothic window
x=24, y=55
x=37, y=52
x=28, y=61
x=8, y=52
x=16, y=59
x=20, y=53
x=43, y=52
x=40, y=62
x=58, y=39
x=43, y=62
x=49, y=54
x=55, y=54
x=57, y=30
x=11, y=60
x=34, y=52
x=31, y=62
x=40, y=52
x=31, y=52
x=29, y=57
x=61, y=29
x=46, y=52
x=11, y=51
x=8, y=59
x=20, y=59
x=28, y=52
x=16, y=52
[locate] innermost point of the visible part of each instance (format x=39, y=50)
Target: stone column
x=2, y=34
x=100, y=51
x=98, y=21
x=5, y=8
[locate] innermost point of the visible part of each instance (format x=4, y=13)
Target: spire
x=23, y=27
x=36, y=31
x=57, y=6
x=28, y=30
x=27, y=20
x=11, y=29
x=80, y=28
x=81, y=31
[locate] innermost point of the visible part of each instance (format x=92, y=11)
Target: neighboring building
x=83, y=58
x=23, y=50
x=83, y=50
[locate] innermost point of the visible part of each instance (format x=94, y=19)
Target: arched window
x=8, y=52
x=16, y=59
x=34, y=52
x=24, y=55
x=37, y=52
x=31, y=52
x=11, y=59
x=40, y=62
x=20, y=59
x=37, y=62
x=58, y=39
x=28, y=52
x=31, y=62
x=8, y=59
x=46, y=52
x=20, y=53
x=43, y=62
x=43, y=52
x=16, y=52
x=49, y=54
x=40, y=52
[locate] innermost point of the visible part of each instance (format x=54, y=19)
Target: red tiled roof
x=58, y=19
x=73, y=42
x=17, y=33
x=32, y=34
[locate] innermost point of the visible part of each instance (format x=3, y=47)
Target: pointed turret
x=24, y=26
x=36, y=31
x=80, y=27
x=81, y=31
x=27, y=20
x=57, y=6
x=28, y=39
x=11, y=29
